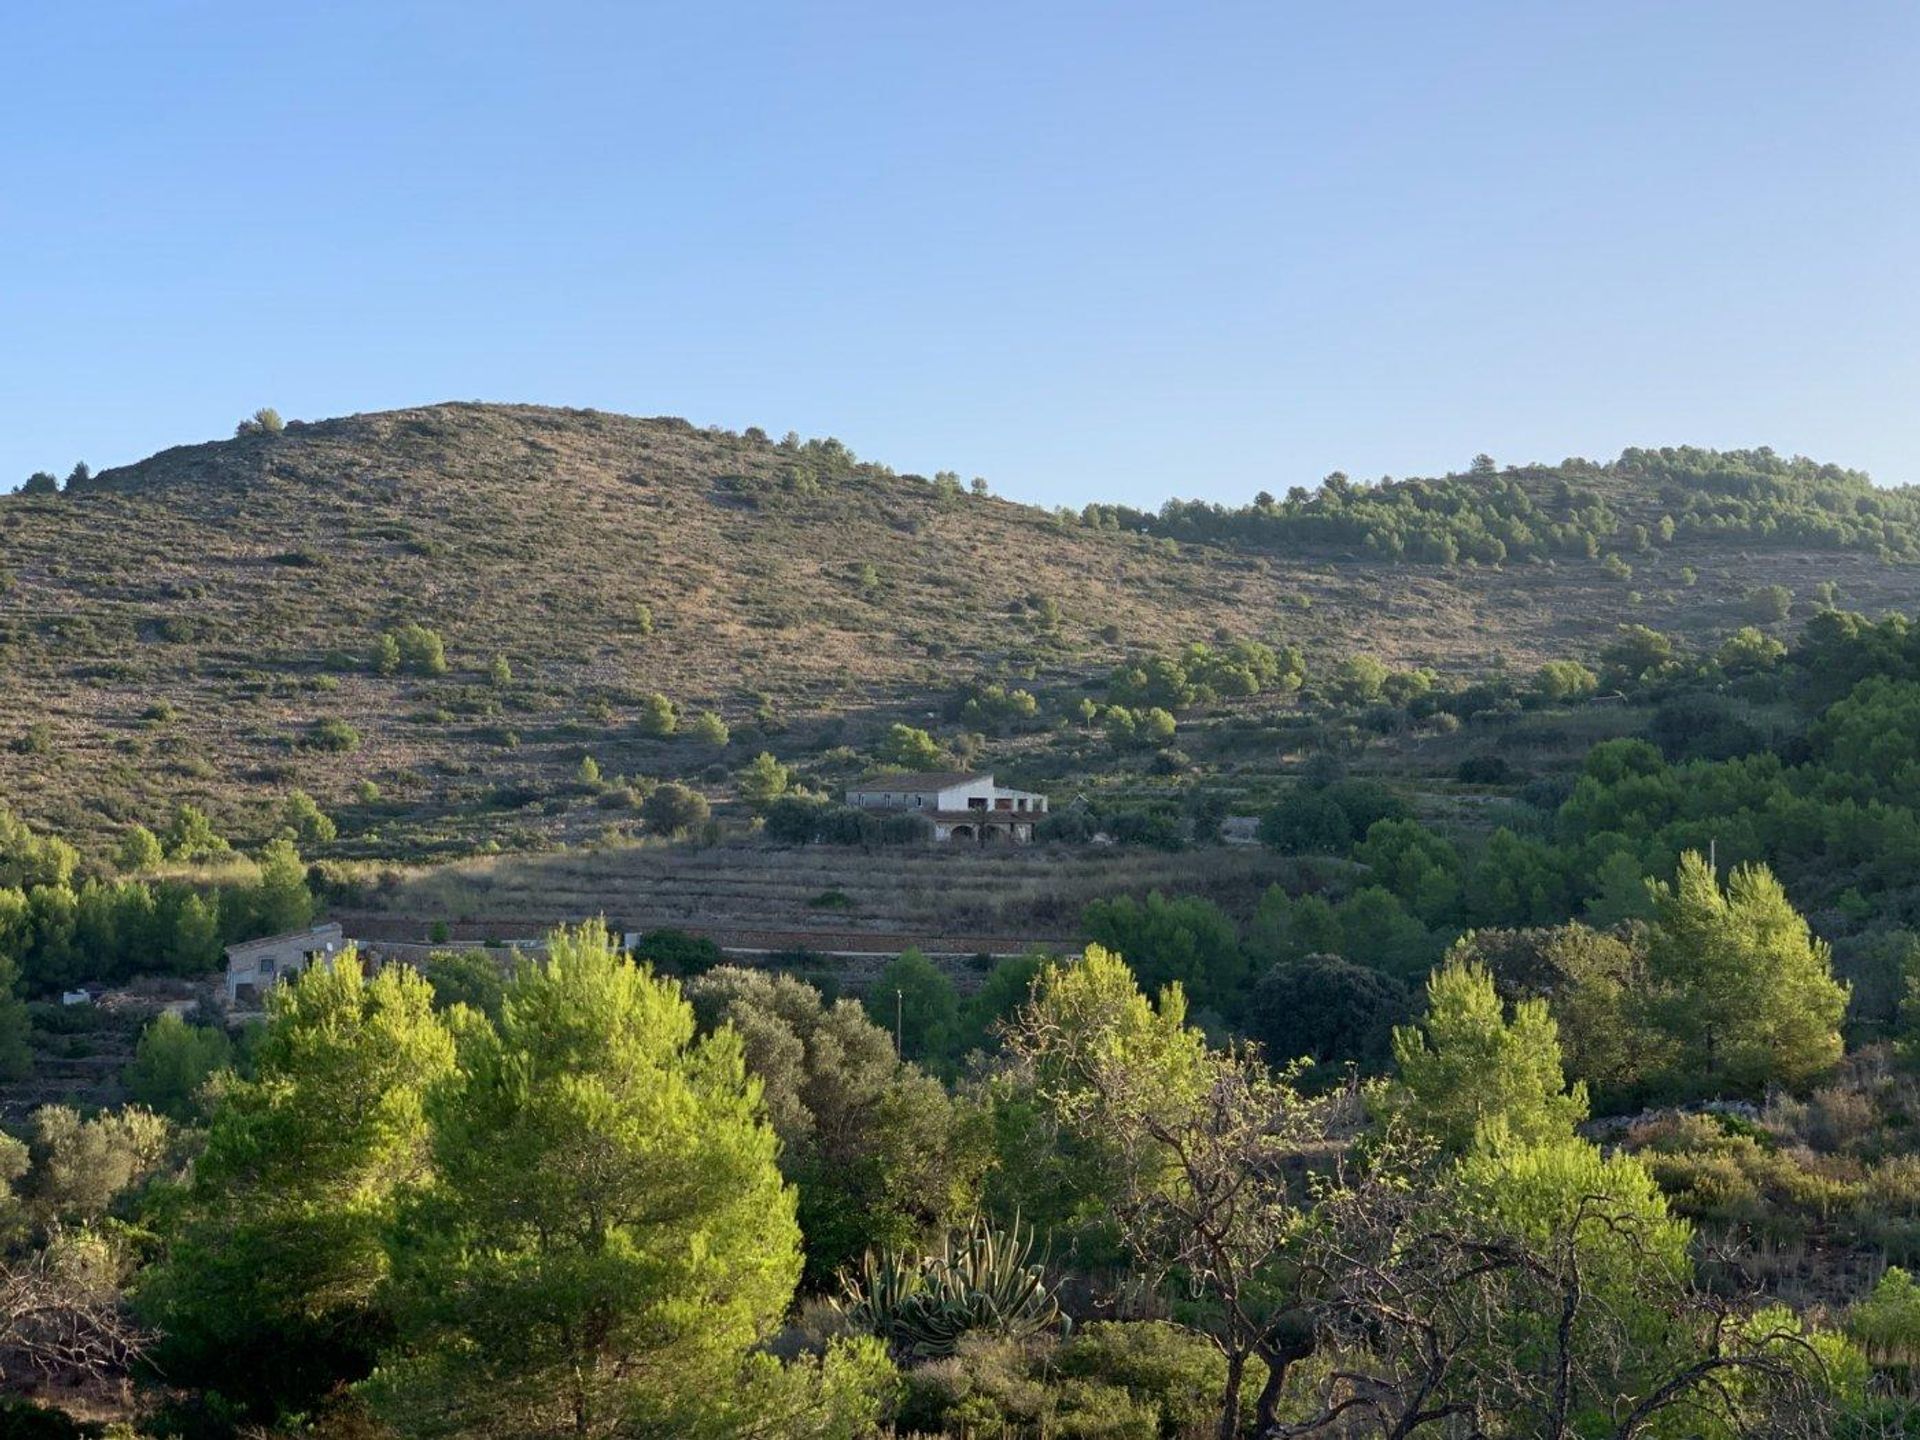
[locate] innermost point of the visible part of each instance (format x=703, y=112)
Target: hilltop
x=204, y=625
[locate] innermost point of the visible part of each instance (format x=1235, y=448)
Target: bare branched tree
x=62, y=1314
x=1435, y=1322
x=1210, y=1153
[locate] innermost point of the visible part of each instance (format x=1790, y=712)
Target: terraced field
x=950, y=899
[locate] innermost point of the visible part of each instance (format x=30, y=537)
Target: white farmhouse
x=256, y=966
x=959, y=805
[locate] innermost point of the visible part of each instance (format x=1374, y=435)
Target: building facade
x=961, y=806
x=256, y=966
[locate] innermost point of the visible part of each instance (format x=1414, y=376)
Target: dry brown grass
x=185, y=582
x=1020, y=893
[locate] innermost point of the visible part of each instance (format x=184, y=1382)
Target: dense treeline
x=604, y=1204
x=59, y=928
x=1490, y=516
x=1805, y=761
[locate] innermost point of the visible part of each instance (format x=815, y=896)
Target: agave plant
x=981, y=1279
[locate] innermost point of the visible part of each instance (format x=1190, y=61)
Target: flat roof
x=924, y=781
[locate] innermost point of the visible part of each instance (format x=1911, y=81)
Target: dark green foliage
x=173, y=1061
x=1156, y=828
x=882, y=1156
x=1327, y=1010
x=914, y=1001
x=799, y=820
x=1004, y=990
x=1183, y=940
x=1754, y=497
x=1418, y=867
x=465, y=977
x=676, y=953
x=268, y=1289
x=1483, y=770
x=793, y=819
x=16, y=1053
x=60, y=937
x=1327, y=819
x=333, y=735
x=1699, y=726
x=22, y=1419
x=674, y=809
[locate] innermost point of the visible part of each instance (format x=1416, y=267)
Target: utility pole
x=899, y=1050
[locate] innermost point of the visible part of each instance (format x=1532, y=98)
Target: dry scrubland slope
x=172, y=631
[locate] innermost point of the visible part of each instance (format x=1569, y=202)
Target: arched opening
x=961, y=832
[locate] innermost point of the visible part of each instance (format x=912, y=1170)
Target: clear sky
x=1089, y=250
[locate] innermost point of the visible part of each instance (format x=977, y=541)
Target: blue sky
x=1091, y=251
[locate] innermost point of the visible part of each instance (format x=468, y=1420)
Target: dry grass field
x=1018, y=895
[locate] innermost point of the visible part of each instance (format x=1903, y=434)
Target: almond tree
x=1207, y=1150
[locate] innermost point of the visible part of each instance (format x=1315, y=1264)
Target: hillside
x=177, y=629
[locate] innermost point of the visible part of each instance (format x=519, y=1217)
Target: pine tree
x=608, y=1234
x=273, y=1261
x=1473, y=1078
x=764, y=780
x=1745, y=989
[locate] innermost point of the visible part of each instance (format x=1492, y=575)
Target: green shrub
x=658, y=716
x=1176, y=1372
x=333, y=735
x=140, y=850
x=674, y=809
x=172, y=1062
x=909, y=748
x=709, y=729
x=413, y=648
x=465, y=977
x=303, y=818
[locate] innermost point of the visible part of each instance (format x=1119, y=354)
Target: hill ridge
x=180, y=628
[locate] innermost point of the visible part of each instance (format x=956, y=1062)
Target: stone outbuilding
x=256, y=966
